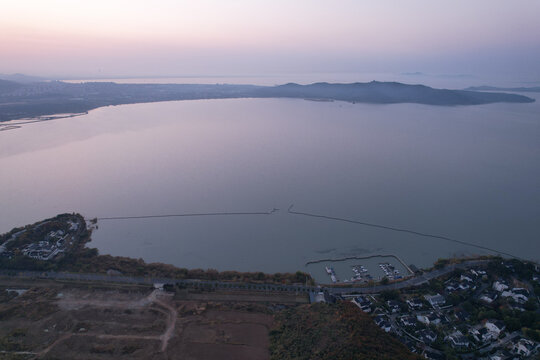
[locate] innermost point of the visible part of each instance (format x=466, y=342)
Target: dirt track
x=70, y=322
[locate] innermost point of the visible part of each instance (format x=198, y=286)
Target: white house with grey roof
x=436, y=300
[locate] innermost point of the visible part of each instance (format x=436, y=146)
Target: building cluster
x=33, y=244
x=517, y=297
x=436, y=323
x=47, y=249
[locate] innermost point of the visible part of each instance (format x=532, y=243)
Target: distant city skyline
x=163, y=38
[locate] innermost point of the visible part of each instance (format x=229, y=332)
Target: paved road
x=495, y=344
x=152, y=280
x=411, y=282
x=499, y=343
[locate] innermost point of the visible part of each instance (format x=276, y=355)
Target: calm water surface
x=471, y=173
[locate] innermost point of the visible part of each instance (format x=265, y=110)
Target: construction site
x=51, y=319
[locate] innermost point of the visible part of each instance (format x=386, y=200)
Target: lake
x=468, y=173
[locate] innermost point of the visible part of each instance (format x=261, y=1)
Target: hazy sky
x=204, y=37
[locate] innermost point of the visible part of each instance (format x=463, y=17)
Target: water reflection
x=466, y=172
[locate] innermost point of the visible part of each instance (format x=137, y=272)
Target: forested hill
x=8, y=86
x=389, y=93
x=23, y=100
x=332, y=332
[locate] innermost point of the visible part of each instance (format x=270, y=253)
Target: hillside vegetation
x=323, y=331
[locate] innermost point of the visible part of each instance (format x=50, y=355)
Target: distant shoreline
x=38, y=119
x=495, y=88
x=23, y=101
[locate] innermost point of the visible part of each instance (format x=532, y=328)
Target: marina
x=358, y=270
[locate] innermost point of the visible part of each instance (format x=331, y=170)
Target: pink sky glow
x=130, y=38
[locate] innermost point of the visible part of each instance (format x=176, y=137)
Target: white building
x=524, y=347
x=495, y=327
x=415, y=303
x=499, y=286
x=457, y=339
x=489, y=297
x=423, y=319
x=519, y=295
x=435, y=300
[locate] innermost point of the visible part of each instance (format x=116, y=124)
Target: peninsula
x=25, y=100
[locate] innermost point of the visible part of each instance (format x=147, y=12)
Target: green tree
x=512, y=324
x=531, y=304
x=389, y=295
x=533, y=334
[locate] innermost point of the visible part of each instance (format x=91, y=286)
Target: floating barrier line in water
x=319, y=216
x=290, y=211
x=185, y=215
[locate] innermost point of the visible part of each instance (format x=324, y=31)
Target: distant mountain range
x=30, y=99
x=493, y=88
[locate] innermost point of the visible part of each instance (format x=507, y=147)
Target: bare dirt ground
x=73, y=321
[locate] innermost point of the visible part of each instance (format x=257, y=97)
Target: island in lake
x=24, y=100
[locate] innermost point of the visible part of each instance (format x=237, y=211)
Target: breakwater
x=412, y=232
x=186, y=215
x=318, y=216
